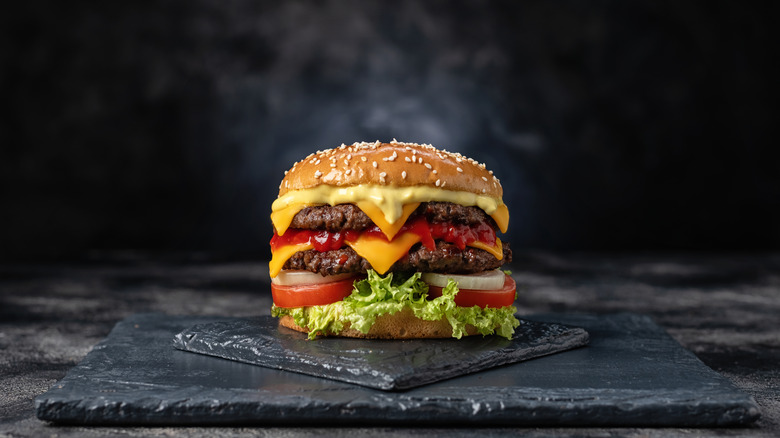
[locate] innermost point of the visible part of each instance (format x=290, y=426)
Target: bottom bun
x=399, y=325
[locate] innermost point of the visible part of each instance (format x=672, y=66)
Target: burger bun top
x=393, y=164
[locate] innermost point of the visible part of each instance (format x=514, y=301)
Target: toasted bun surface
x=400, y=325
x=393, y=164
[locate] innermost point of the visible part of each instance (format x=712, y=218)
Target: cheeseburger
x=391, y=240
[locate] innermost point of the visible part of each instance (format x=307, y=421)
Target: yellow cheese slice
x=282, y=254
x=375, y=214
x=497, y=250
x=381, y=253
x=501, y=216
x=283, y=218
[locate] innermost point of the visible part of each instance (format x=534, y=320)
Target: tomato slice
x=311, y=294
x=482, y=298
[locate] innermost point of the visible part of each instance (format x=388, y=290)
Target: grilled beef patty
x=446, y=258
x=350, y=217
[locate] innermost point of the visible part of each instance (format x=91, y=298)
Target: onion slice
x=296, y=278
x=489, y=280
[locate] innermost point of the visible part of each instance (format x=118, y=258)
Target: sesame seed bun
x=393, y=164
x=399, y=325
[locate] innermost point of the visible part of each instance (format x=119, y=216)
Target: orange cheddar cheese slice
x=497, y=250
x=380, y=253
x=280, y=256
x=283, y=218
x=378, y=217
x=501, y=216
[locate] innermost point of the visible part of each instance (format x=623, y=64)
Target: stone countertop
x=725, y=308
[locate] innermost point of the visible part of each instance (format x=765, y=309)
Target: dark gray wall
x=167, y=126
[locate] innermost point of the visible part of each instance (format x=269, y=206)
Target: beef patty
x=446, y=258
x=350, y=217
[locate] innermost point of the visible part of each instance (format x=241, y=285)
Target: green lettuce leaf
x=376, y=295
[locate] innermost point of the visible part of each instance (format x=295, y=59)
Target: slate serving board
x=387, y=365
x=631, y=374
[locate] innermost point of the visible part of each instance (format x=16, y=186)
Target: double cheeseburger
x=391, y=240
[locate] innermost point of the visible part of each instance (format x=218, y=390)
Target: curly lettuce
x=376, y=295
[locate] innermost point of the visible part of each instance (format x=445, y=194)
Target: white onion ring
x=489, y=280
x=296, y=278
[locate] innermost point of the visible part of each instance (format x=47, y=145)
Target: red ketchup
x=458, y=234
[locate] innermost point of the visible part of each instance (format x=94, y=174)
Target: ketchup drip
x=458, y=234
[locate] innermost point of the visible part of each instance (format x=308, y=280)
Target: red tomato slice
x=482, y=298
x=311, y=294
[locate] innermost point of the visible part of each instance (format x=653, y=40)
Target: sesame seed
x=458, y=159
x=348, y=172
x=317, y=162
x=419, y=159
x=408, y=160
x=403, y=174
x=374, y=164
x=443, y=183
x=438, y=182
x=332, y=164
x=349, y=156
x=383, y=174
x=285, y=172
x=484, y=179
x=317, y=174
x=428, y=165
x=363, y=159
x=435, y=172
x=346, y=162
x=460, y=170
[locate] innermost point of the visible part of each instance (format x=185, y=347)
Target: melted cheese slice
x=375, y=214
x=497, y=250
x=501, y=216
x=283, y=218
x=386, y=206
x=282, y=254
x=381, y=253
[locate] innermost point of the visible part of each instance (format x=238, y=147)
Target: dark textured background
x=167, y=125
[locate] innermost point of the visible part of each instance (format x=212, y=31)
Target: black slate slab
x=387, y=365
x=631, y=374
